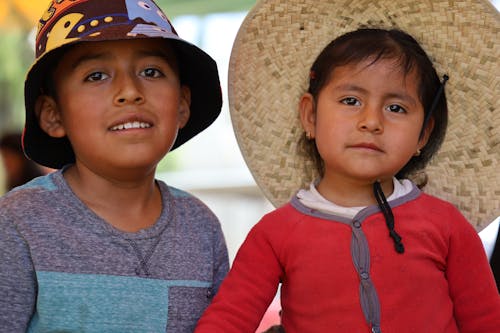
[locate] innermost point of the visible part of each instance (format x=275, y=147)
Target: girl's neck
x=352, y=193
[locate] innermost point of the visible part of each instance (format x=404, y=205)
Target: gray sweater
x=64, y=269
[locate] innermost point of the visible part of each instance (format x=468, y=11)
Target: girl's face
x=366, y=122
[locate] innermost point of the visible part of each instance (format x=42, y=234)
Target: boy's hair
x=377, y=44
x=80, y=21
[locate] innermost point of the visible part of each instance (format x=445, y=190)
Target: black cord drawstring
x=377, y=188
x=389, y=217
x=434, y=104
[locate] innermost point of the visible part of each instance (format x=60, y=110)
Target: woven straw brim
x=268, y=72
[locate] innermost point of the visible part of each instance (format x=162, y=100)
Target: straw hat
x=269, y=67
x=68, y=22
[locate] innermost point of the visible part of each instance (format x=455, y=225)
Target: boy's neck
x=113, y=199
x=349, y=193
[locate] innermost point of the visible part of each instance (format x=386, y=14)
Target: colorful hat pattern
x=67, y=22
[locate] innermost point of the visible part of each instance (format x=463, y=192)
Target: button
x=356, y=224
x=364, y=275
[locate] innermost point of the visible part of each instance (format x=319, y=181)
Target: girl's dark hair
x=376, y=44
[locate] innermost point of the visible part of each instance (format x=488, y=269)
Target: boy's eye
x=96, y=76
x=350, y=101
x=396, y=108
x=152, y=72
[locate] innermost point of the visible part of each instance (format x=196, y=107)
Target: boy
x=101, y=245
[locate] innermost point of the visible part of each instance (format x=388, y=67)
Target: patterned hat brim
x=86, y=21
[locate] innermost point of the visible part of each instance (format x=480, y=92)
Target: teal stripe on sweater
x=102, y=303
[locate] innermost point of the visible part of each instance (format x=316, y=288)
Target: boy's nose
x=371, y=120
x=129, y=91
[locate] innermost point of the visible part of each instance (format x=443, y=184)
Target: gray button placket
x=360, y=252
x=361, y=259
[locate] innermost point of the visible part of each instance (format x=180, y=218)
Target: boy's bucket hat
x=269, y=71
x=68, y=22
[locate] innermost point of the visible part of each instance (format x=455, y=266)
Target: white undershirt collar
x=313, y=199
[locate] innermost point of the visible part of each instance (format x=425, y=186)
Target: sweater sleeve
x=248, y=289
x=221, y=260
x=17, y=279
x=472, y=287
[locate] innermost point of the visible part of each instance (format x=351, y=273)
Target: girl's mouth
x=370, y=146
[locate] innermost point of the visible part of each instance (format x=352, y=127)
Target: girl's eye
x=350, y=101
x=152, y=72
x=396, y=108
x=96, y=76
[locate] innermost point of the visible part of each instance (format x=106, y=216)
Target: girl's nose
x=371, y=120
x=128, y=91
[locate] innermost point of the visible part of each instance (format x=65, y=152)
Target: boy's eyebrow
x=155, y=53
x=89, y=57
x=403, y=96
x=107, y=56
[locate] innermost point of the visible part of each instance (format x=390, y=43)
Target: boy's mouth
x=130, y=125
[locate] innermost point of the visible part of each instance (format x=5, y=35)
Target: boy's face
x=120, y=103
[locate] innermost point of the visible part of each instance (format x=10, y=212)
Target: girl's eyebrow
x=397, y=95
x=350, y=87
x=403, y=96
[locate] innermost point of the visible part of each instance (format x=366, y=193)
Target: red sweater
x=441, y=283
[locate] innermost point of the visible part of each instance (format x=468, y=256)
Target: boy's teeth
x=130, y=125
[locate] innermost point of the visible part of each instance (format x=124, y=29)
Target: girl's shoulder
x=283, y=221
x=438, y=205
x=442, y=214
x=285, y=212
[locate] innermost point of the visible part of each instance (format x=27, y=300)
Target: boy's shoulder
x=175, y=192
x=185, y=203
x=38, y=186
x=38, y=194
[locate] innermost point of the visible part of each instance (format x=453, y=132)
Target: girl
x=363, y=249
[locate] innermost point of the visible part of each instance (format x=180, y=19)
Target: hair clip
x=312, y=75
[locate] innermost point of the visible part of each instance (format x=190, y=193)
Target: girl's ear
x=424, y=137
x=307, y=112
x=184, y=106
x=49, y=116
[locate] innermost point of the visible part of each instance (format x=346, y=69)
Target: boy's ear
x=49, y=116
x=426, y=134
x=307, y=112
x=184, y=106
